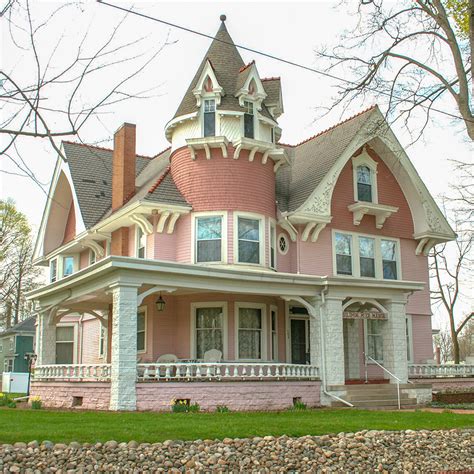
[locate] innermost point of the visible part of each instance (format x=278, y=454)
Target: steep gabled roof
x=226, y=62
x=312, y=160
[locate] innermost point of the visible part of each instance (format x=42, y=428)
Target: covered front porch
x=280, y=337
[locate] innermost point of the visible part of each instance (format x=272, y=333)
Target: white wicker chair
x=212, y=356
x=165, y=359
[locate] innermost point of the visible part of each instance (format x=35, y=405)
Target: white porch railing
x=444, y=370
x=226, y=371
x=79, y=372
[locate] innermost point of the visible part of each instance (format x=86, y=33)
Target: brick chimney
x=123, y=167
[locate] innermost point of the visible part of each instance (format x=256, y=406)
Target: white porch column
x=45, y=339
x=124, y=348
x=333, y=336
x=395, y=341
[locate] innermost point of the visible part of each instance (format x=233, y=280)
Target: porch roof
x=94, y=281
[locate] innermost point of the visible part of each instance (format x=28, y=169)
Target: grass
x=83, y=426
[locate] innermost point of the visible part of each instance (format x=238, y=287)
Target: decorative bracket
x=162, y=222
x=172, y=222
x=381, y=212
x=95, y=247
x=155, y=289
x=143, y=223
x=311, y=309
x=286, y=225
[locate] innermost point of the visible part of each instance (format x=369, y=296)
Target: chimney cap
x=125, y=124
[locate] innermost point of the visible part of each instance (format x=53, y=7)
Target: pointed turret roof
x=227, y=63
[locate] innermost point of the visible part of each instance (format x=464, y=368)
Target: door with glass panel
x=299, y=341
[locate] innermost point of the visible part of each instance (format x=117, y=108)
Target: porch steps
x=374, y=396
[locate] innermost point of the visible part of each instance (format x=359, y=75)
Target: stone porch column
x=45, y=339
x=395, y=341
x=124, y=348
x=333, y=341
x=315, y=338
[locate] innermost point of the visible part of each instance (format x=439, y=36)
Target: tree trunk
x=17, y=300
x=456, y=349
x=8, y=315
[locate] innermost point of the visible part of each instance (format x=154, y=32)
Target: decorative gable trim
x=246, y=93
x=201, y=90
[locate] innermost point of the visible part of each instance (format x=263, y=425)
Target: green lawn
x=66, y=426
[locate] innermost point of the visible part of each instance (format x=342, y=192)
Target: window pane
x=344, y=264
x=367, y=267
x=364, y=192
x=343, y=244
x=363, y=175
x=68, y=263
x=389, y=258
x=248, y=126
x=141, y=321
x=64, y=353
x=250, y=318
x=388, y=249
x=140, y=341
x=389, y=270
x=209, y=124
x=249, y=229
x=65, y=333
x=249, y=252
x=209, y=228
x=366, y=247
x=209, y=251
x=209, y=106
x=208, y=318
x=208, y=339
x=250, y=325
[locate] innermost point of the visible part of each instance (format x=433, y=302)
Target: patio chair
x=165, y=359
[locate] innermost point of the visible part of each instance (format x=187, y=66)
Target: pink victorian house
x=231, y=269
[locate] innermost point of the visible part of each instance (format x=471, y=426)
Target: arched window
x=364, y=184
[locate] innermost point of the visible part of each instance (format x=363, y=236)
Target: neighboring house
x=15, y=342
x=293, y=261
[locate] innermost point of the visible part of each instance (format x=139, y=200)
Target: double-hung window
x=102, y=340
x=140, y=243
x=274, y=335
x=209, y=330
x=141, y=330
x=375, y=339
x=248, y=240
x=250, y=333
x=68, y=266
x=92, y=257
x=364, y=184
x=209, y=239
x=209, y=117
x=272, y=246
x=389, y=259
x=343, y=254
x=65, y=345
x=367, y=256
x=53, y=270
x=248, y=120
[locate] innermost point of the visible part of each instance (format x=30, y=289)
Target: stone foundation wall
x=95, y=395
x=237, y=396
x=454, y=384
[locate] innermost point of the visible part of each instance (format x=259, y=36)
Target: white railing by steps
x=73, y=372
x=226, y=371
x=440, y=371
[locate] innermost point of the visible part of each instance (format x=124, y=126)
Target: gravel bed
x=365, y=451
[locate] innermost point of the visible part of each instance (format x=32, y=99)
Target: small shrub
x=11, y=404
x=299, y=405
x=222, y=409
x=4, y=400
x=36, y=403
x=184, y=406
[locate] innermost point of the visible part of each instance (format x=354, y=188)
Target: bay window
x=389, y=259
x=343, y=254
x=209, y=333
x=248, y=240
x=249, y=131
x=250, y=332
x=209, y=117
x=367, y=256
x=208, y=239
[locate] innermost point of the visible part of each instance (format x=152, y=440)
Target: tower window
x=248, y=120
x=209, y=118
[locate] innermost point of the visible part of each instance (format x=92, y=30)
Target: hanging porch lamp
x=160, y=303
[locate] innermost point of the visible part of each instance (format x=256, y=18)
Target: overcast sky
x=287, y=29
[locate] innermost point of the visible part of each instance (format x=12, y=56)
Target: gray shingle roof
x=312, y=159
x=25, y=326
x=91, y=172
x=227, y=64
x=272, y=87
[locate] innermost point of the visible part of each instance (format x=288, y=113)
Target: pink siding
x=284, y=261
x=230, y=237
x=164, y=246
x=131, y=241
x=315, y=258
x=224, y=183
x=83, y=259
x=182, y=234
x=422, y=338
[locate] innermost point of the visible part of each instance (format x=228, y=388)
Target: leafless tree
x=444, y=342
x=62, y=89
x=410, y=53
x=466, y=341
x=451, y=269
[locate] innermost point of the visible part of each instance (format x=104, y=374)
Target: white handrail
x=441, y=370
x=367, y=357
x=82, y=372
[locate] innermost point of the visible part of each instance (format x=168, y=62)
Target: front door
x=299, y=353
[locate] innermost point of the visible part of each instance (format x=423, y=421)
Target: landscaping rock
x=364, y=451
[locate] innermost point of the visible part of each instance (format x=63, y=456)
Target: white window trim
x=364, y=159
x=256, y=123
x=409, y=320
x=272, y=224
x=284, y=236
x=75, y=266
x=273, y=308
x=366, y=343
x=210, y=304
x=137, y=229
x=249, y=215
x=264, y=332
x=56, y=259
x=224, y=248
x=92, y=257
x=102, y=328
x=355, y=255
x=75, y=341
x=143, y=309
x=209, y=96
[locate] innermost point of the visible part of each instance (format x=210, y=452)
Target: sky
x=291, y=30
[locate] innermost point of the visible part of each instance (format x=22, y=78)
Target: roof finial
x=223, y=18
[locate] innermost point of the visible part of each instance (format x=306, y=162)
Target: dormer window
x=209, y=117
x=248, y=120
x=364, y=183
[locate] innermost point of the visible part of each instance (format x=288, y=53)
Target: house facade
x=304, y=266
x=15, y=343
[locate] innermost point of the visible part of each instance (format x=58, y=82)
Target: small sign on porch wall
x=363, y=315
